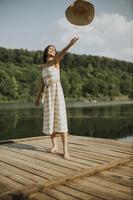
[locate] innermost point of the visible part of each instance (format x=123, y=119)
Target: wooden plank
x=89, y=172
x=114, y=177
x=11, y=183
x=102, y=151
x=91, y=161
x=22, y=172
x=3, y=187
x=83, y=163
x=119, y=149
x=43, y=163
x=52, y=159
x=59, y=195
x=40, y=196
x=86, y=156
x=97, y=194
x=82, y=156
x=117, y=174
x=109, y=190
x=94, y=155
x=74, y=192
x=77, y=159
x=16, y=177
x=130, y=164
x=33, y=165
x=98, y=190
x=124, y=172
x=99, y=180
x=29, y=168
x=41, y=143
x=127, y=169
x=105, y=152
x=115, y=147
x=103, y=140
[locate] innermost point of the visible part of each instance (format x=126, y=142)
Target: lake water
x=103, y=120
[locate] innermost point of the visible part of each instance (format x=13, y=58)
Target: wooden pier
x=99, y=169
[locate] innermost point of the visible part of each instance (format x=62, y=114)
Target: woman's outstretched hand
x=73, y=41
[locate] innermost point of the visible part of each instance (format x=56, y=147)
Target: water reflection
x=103, y=122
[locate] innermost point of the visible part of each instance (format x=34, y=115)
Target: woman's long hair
x=45, y=53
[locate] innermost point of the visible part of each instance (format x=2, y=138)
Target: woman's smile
x=51, y=51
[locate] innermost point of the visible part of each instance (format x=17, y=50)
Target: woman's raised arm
x=60, y=55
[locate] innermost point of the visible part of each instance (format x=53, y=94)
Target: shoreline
x=96, y=104
x=126, y=139
x=69, y=103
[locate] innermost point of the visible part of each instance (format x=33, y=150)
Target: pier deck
x=98, y=169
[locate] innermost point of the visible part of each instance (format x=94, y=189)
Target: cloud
x=108, y=35
x=127, y=53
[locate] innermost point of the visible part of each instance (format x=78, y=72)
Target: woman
x=55, y=117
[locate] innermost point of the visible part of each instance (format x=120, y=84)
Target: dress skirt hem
x=57, y=132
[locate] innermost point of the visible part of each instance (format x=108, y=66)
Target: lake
x=103, y=120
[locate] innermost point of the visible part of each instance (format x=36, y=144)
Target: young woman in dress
x=55, y=116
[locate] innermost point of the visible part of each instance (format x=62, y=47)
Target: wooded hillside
x=82, y=76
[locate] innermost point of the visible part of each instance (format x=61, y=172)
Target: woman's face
x=51, y=51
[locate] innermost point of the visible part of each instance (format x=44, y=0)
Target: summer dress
x=55, y=115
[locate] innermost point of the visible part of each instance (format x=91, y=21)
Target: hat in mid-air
x=80, y=13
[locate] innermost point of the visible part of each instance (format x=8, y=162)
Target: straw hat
x=80, y=13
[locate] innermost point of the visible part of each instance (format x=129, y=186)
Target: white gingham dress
x=55, y=115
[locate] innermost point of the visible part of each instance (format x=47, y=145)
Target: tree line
x=83, y=77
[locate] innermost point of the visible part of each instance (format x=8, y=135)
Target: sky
x=34, y=24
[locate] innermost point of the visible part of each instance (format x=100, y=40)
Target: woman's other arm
x=40, y=90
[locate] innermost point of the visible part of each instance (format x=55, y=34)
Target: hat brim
x=80, y=20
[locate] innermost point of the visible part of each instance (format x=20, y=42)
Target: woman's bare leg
x=64, y=137
x=54, y=142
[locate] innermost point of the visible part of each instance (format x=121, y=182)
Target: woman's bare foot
x=52, y=150
x=66, y=156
